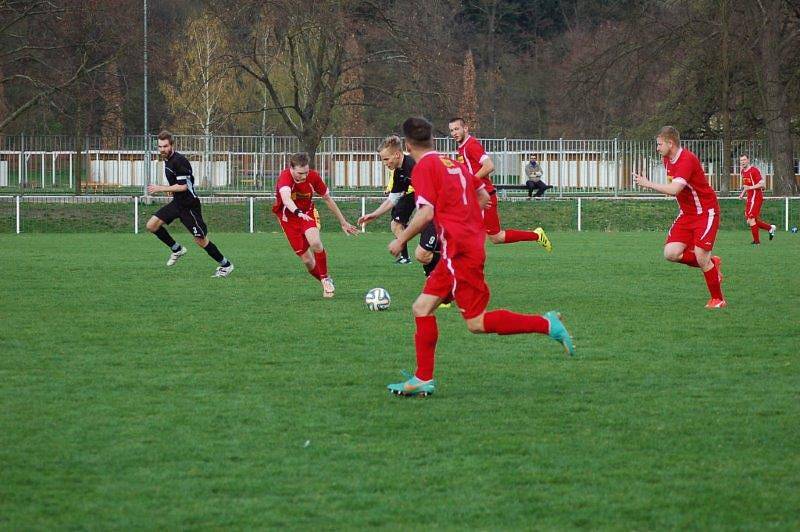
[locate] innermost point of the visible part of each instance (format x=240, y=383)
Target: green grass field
x=136, y=396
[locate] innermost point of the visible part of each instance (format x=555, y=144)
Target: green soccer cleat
x=413, y=387
x=559, y=333
x=543, y=240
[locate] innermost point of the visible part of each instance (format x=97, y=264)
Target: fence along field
x=252, y=214
x=239, y=165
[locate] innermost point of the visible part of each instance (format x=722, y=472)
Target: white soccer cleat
x=772, y=229
x=327, y=287
x=175, y=255
x=223, y=271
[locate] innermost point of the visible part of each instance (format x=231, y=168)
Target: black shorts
x=191, y=217
x=401, y=212
x=428, y=239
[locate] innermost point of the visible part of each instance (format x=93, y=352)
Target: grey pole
x=146, y=159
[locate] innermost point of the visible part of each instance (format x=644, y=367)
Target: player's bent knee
x=424, y=306
x=498, y=238
x=475, y=325
x=153, y=224
x=672, y=255
x=201, y=241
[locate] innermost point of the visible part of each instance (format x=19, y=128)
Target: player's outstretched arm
x=347, y=227
x=154, y=189
x=383, y=208
x=671, y=189
x=419, y=222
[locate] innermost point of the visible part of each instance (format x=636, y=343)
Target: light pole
x=146, y=159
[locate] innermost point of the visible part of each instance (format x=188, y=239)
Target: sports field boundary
x=74, y=213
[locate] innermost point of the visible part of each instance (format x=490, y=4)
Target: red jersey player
x=753, y=185
x=447, y=194
x=478, y=162
x=692, y=235
x=299, y=217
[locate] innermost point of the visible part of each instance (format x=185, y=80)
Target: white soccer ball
x=378, y=299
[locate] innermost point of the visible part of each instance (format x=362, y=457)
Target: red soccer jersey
x=446, y=186
x=472, y=154
x=750, y=177
x=697, y=197
x=301, y=192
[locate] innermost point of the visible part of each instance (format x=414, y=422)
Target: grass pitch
x=136, y=396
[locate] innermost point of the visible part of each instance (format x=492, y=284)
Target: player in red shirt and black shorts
x=448, y=194
x=693, y=233
x=300, y=220
x=753, y=185
x=478, y=162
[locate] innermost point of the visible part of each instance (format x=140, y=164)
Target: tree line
x=516, y=68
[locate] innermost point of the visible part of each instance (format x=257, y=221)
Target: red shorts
x=695, y=230
x=491, y=219
x=461, y=278
x=295, y=230
x=753, y=207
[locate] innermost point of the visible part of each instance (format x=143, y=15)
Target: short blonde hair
x=392, y=142
x=670, y=133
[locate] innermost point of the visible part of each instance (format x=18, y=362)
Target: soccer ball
x=794, y=229
x=378, y=299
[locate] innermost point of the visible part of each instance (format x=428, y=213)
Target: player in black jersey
x=401, y=202
x=184, y=205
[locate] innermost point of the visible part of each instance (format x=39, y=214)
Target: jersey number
x=457, y=171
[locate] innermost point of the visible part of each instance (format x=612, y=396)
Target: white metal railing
x=250, y=205
x=245, y=164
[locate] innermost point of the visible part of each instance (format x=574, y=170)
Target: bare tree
x=44, y=53
x=773, y=33
x=469, y=101
x=297, y=50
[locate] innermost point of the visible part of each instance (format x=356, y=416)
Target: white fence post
x=251, y=214
x=363, y=212
x=579, y=214
x=786, y=215
x=18, y=220
x=136, y=215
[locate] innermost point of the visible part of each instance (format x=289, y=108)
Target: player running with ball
x=300, y=220
x=447, y=194
x=692, y=235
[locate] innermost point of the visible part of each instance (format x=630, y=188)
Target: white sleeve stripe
x=483, y=158
x=680, y=180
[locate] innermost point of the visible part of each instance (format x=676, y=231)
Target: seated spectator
x=533, y=173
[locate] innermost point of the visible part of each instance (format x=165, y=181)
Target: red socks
x=754, y=231
x=503, y=321
x=321, y=259
x=514, y=235
x=688, y=258
x=712, y=282
x=763, y=225
x=425, y=342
